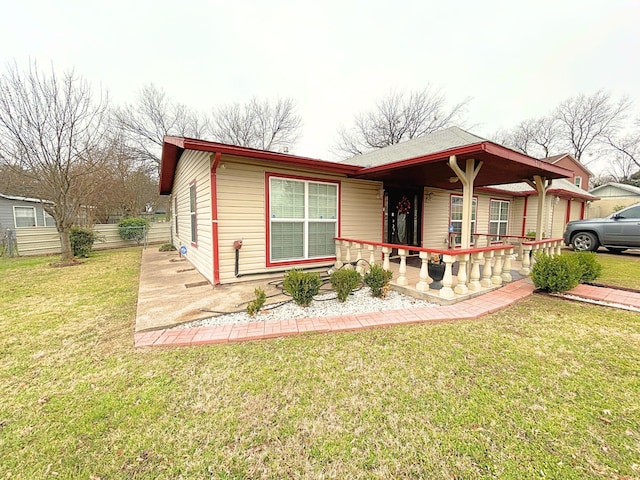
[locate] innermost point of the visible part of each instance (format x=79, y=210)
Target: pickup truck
x=617, y=232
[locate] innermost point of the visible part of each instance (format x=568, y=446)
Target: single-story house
x=18, y=212
x=240, y=211
x=613, y=196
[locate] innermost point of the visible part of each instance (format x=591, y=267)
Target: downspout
x=214, y=218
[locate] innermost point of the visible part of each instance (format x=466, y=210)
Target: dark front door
x=402, y=216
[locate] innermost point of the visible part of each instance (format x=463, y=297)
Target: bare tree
x=537, y=137
x=258, y=124
x=627, y=147
x=586, y=121
x=51, y=129
x=145, y=123
x=397, y=117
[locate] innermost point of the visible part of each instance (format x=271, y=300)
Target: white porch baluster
x=386, y=251
x=372, y=255
x=474, y=281
x=558, y=247
x=506, y=269
x=526, y=260
x=496, y=279
x=359, y=264
x=338, y=262
x=423, y=284
x=402, y=271
x=486, y=270
x=347, y=258
x=447, y=281
x=461, y=285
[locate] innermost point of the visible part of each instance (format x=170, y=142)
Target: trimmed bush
x=302, y=286
x=344, y=282
x=133, y=228
x=590, y=268
x=166, y=247
x=557, y=273
x=377, y=279
x=257, y=303
x=82, y=240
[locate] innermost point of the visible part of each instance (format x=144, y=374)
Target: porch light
x=380, y=192
x=453, y=179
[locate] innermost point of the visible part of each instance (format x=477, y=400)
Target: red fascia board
x=174, y=146
x=504, y=193
x=568, y=194
x=500, y=151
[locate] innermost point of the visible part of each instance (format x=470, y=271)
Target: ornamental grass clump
x=302, y=286
x=344, y=281
x=377, y=279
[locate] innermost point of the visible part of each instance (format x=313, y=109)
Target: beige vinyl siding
x=361, y=210
x=516, y=214
x=559, y=216
x=435, y=230
x=242, y=215
x=195, y=166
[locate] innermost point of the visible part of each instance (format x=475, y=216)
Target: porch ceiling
x=500, y=166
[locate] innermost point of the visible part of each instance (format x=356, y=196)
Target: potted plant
x=436, y=269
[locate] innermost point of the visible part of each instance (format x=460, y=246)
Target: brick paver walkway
x=466, y=310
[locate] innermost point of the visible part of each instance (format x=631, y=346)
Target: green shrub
x=133, y=228
x=302, y=286
x=557, y=273
x=257, y=303
x=166, y=247
x=590, y=268
x=377, y=279
x=344, y=281
x=82, y=240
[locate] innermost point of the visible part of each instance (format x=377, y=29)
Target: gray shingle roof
x=445, y=139
x=558, y=184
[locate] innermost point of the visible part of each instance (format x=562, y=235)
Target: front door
x=403, y=213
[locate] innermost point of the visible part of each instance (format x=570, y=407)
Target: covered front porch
x=467, y=272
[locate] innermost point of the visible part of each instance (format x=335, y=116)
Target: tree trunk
x=65, y=243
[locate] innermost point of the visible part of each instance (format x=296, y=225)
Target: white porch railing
x=489, y=265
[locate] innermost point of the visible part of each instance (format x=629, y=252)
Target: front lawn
x=545, y=389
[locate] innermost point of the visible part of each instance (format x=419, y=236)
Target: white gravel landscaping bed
x=360, y=301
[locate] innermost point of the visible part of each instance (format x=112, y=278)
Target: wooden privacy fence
x=45, y=240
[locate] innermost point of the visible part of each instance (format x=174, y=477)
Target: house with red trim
x=240, y=212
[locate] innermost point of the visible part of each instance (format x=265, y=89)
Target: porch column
x=540, y=185
x=467, y=178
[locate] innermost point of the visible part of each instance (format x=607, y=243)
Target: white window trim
x=499, y=222
x=474, y=217
x=193, y=213
x=577, y=181
x=15, y=218
x=305, y=221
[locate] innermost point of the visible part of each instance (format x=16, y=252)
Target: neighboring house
x=581, y=174
x=613, y=196
x=18, y=212
x=435, y=191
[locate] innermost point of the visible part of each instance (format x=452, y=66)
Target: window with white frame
x=192, y=213
x=49, y=221
x=456, y=217
x=303, y=219
x=577, y=181
x=24, y=216
x=498, y=218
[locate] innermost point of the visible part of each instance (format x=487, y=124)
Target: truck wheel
x=585, y=242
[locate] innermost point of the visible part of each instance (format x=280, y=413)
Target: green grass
x=620, y=270
x=545, y=389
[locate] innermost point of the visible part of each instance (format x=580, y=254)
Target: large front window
x=303, y=219
x=455, y=225
x=24, y=216
x=499, y=219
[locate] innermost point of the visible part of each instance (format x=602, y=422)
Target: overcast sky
x=514, y=59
